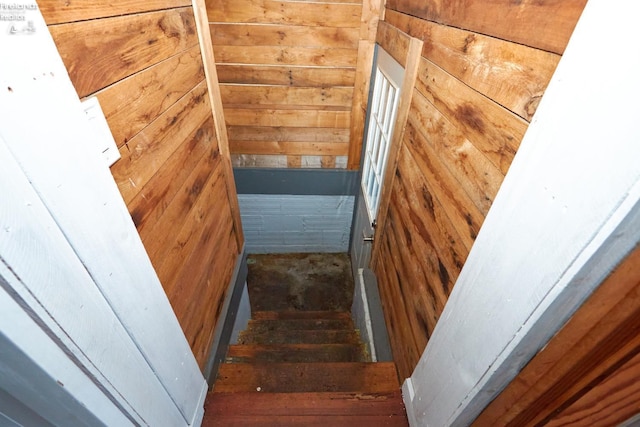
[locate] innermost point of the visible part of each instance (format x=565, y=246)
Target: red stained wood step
x=340, y=336
x=305, y=409
x=307, y=377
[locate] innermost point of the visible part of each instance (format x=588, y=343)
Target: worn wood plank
x=305, y=404
x=295, y=13
x=275, y=95
x=211, y=74
x=519, y=22
x=161, y=202
x=291, y=148
x=611, y=402
x=310, y=421
x=283, y=35
x=295, y=353
x=301, y=377
x=286, y=55
x=287, y=315
x=132, y=103
x=456, y=205
x=406, y=350
x=113, y=48
x=58, y=12
x=511, y=74
x=494, y=130
x=287, y=118
x=292, y=134
x=595, y=342
x=171, y=212
x=302, y=76
x=394, y=41
x=475, y=174
x=149, y=149
x=169, y=255
x=200, y=301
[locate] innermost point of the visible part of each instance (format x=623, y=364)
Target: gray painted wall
x=283, y=223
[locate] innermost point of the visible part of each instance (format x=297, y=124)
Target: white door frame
x=567, y=213
x=73, y=269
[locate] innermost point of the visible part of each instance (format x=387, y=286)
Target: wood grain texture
x=283, y=35
x=278, y=133
x=113, y=48
x=287, y=118
x=287, y=64
x=609, y=403
x=282, y=75
x=592, y=360
x=475, y=174
x=133, y=103
x=287, y=55
x=520, y=21
x=293, y=96
x=496, y=131
x=297, y=148
x=149, y=149
x=394, y=41
x=58, y=12
x=301, y=377
x=511, y=74
x=295, y=13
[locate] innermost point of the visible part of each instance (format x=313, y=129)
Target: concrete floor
x=300, y=282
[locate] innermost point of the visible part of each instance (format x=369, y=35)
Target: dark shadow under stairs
x=300, y=362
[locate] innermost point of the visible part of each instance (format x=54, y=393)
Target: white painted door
x=78, y=295
x=386, y=84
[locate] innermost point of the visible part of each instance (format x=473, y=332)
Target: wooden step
x=298, y=324
x=307, y=377
x=305, y=409
x=296, y=353
x=299, y=314
x=340, y=336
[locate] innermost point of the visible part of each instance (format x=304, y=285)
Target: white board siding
x=45, y=130
x=566, y=214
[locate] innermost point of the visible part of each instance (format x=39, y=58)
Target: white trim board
x=567, y=213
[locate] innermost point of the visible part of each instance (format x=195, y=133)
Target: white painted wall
x=567, y=213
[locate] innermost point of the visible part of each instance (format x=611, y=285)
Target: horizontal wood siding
x=484, y=68
x=143, y=62
x=287, y=74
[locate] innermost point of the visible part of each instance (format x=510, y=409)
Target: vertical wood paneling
x=143, y=61
x=287, y=64
x=484, y=68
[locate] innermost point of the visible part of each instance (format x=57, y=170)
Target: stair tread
x=322, y=336
x=310, y=409
x=307, y=377
x=327, y=403
x=299, y=314
x=298, y=324
x=296, y=353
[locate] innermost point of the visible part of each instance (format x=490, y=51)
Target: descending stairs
x=303, y=368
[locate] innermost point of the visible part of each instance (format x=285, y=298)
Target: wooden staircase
x=303, y=368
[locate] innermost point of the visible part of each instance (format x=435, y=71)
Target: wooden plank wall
x=287, y=72
x=484, y=68
x=142, y=60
